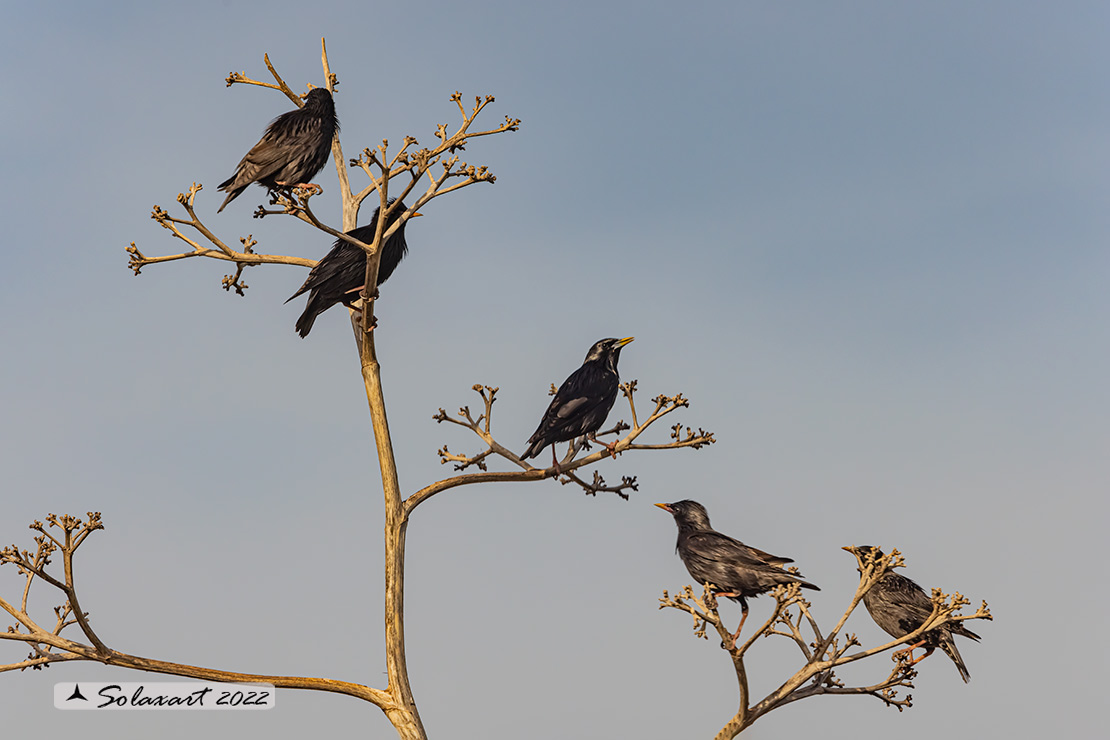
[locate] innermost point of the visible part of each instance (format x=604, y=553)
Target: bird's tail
x=948, y=645
x=807, y=584
x=300, y=291
x=535, y=446
x=959, y=629
x=311, y=311
x=232, y=195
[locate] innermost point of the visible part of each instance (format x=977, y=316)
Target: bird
x=582, y=401
x=293, y=149
x=341, y=275
x=730, y=567
x=899, y=606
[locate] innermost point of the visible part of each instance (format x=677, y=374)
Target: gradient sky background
x=868, y=240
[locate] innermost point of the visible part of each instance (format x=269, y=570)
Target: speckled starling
x=899, y=606
x=733, y=569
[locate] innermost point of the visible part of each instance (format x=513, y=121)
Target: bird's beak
x=849, y=548
x=664, y=507
x=414, y=215
x=621, y=343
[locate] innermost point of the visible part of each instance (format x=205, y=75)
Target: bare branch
x=44, y=643
x=598, y=484
x=219, y=250
x=664, y=405
x=380, y=168
x=241, y=78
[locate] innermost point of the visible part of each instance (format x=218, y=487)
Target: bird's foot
x=316, y=189
x=611, y=446
x=373, y=319
x=354, y=295
x=907, y=653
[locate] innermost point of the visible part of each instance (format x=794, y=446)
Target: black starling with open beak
x=293, y=149
x=899, y=606
x=582, y=401
x=340, y=276
x=732, y=568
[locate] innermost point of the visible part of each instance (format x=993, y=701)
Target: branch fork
x=565, y=470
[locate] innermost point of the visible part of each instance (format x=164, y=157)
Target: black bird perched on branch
x=732, y=568
x=899, y=606
x=293, y=149
x=582, y=401
x=341, y=275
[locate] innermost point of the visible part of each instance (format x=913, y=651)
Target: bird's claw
x=311, y=187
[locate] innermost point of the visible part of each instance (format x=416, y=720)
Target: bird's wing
x=338, y=269
x=755, y=552
x=286, y=139
x=265, y=159
x=724, y=549
x=562, y=414
x=768, y=557
x=917, y=603
x=586, y=387
x=910, y=597
x=561, y=408
x=583, y=391
x=957, y=628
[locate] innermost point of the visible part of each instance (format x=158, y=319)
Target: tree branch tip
x=137, y=259
x=232, y=281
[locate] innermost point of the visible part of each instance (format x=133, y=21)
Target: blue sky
x=869, y=241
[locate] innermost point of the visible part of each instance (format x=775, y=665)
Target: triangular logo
x=76, y=694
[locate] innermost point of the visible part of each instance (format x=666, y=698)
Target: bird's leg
x=743, y=618
x=897, y=655
x=743, y=612
x=554, y=462
x=928, y=652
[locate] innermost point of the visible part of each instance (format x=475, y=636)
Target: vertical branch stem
x=350, y=204
x=741, y=719
x=406, y=719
